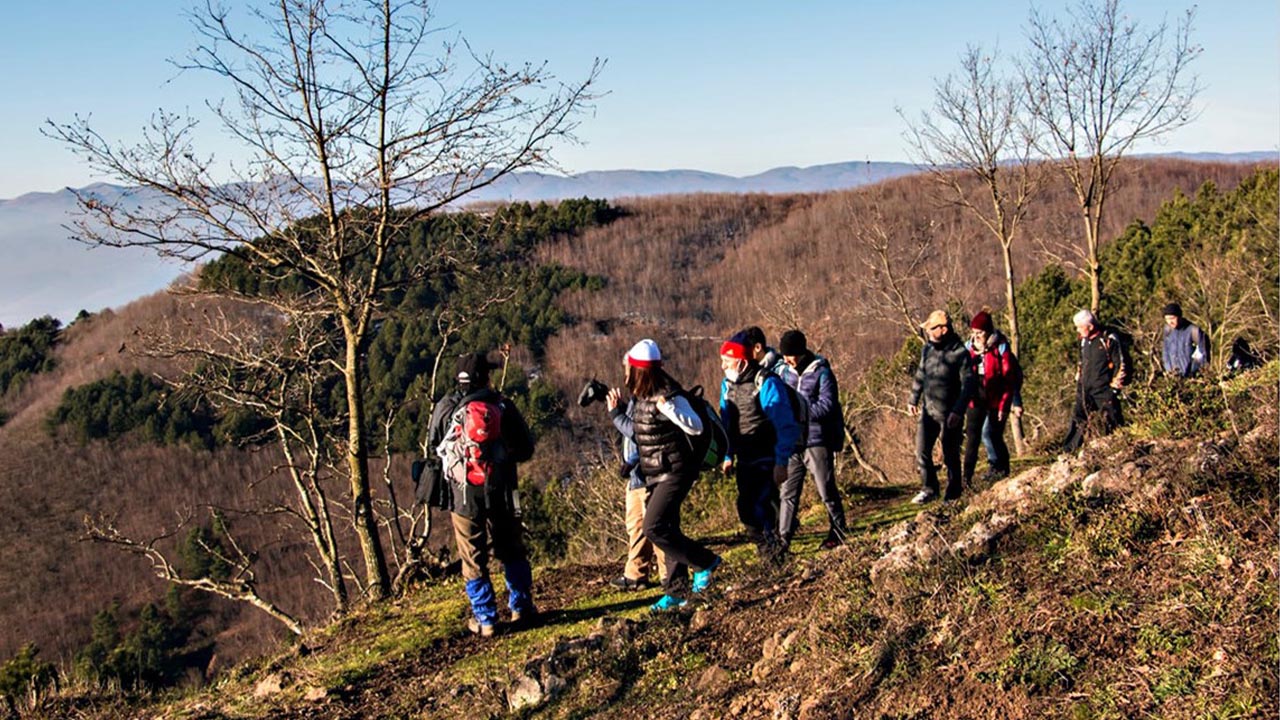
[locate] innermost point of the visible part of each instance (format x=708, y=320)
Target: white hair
x=1084, y=317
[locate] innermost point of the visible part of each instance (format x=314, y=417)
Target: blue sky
x=736, y=88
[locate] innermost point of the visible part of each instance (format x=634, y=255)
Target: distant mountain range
x=46, y=272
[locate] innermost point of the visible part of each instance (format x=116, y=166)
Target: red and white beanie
x=644, y=354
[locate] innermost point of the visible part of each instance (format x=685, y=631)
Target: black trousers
x=974, y=421
x=662, y=527
x=758, y=502
x=1097, y=412
x=926, y=435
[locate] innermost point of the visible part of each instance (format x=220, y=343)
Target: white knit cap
x=644, y=354
x=1084, y=317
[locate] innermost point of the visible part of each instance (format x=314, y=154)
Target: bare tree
x=977, y=131
x=271, y=361
x=239, y=585
x=353, y=132
x=1097, y=83
x=896, y=259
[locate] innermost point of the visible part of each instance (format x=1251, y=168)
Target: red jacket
x=998, y=373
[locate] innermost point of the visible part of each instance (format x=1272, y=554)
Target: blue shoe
x=702, y=578
x=666, y=602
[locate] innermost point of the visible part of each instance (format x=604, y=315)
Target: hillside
x=1136, y=580
x=685, y=270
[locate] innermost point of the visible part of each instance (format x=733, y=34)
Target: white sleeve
x=680, y=412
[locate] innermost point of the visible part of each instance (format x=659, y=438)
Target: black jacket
x=1101, y=358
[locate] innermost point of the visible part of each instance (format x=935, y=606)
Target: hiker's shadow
x=569, y=617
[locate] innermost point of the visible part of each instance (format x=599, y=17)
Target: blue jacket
x=826, y=419
x=1186, y=349
x=777, y=409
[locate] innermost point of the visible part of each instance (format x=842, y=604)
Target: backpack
x=710, y=446
x=799, y=406
x=429, y=488
x=473, y=443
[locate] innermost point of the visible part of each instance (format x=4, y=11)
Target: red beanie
x=735, y=347
x=982, y=321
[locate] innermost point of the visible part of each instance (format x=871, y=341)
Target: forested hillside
x=94, y=430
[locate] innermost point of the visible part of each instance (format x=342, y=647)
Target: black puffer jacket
x=664, y=448
x=944, y=381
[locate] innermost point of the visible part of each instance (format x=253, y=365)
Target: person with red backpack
x=999, y=381
x=480, y=436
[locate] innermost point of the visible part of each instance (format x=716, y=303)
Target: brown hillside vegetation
x=685, y=270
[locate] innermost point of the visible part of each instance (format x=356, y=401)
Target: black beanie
x=793, y=343
x=1172, y=309
x=473, y=370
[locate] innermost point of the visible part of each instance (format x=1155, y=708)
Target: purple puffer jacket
x=826, y=418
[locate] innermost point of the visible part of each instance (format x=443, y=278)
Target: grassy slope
x=1146, y=590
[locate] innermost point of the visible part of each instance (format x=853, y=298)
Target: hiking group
x=778, y=419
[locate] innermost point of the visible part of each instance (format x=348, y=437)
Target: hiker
x=768, y=358
x=642, y=554
x=1104, y=369
x=1242, y=356
x=663, y=420
x=763, y=435
x=822, y=439
x=998, y=380
x=480, y=437
x=942, y=388
x=1186, y=347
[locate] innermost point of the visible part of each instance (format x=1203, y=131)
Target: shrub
x=25, y=673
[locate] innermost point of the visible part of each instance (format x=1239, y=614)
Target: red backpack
x=477, y=437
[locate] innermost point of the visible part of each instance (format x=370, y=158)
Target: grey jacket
x=944, y=381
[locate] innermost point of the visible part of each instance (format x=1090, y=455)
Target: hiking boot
x=993, y=476
x=524, y=618
x=478, y=628
x=831, y=543
x=627, y=584
x=667, y=603
x=924, y=496
x=702, y=578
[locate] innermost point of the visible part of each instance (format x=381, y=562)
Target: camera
x=593, y=391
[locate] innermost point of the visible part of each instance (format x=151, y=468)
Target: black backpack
x=429, y=486
x=710, y=446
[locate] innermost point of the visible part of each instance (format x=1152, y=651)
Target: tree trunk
x=1091, y=230
x=366, y=526
x=1011, y=301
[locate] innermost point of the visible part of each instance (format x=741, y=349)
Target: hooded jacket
x=761, y=425
x=817, y=383
x=998, y=374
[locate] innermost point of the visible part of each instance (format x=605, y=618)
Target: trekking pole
x=506, y=360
